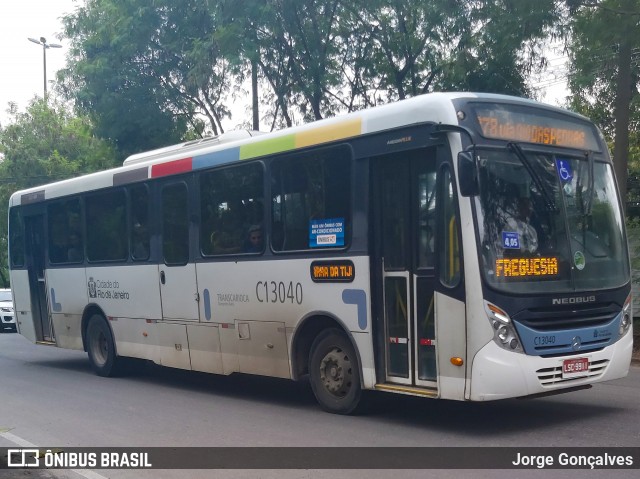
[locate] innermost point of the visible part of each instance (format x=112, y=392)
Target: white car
x=7, y=318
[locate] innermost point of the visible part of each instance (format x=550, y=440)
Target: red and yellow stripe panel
x=262, y=147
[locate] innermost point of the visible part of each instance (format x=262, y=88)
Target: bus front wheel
x=100, y=347
x=334, y=372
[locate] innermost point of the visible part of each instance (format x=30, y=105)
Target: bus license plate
x=572, y=368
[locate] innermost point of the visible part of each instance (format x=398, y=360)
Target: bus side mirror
x=467, y=174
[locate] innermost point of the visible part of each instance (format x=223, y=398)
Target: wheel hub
x=335, y=372
x=99, y=347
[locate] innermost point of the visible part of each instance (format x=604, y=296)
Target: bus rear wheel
x=334, y=372
x=100, y=347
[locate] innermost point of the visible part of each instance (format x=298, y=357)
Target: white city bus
x=454, y=245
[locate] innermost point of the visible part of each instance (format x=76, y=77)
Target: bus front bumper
x=500, y=374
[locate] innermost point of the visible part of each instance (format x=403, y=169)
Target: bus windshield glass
x=549, y=222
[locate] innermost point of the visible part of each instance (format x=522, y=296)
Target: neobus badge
x=341, y=271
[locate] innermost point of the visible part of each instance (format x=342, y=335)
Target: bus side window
x=106, y=216
x=139, y=222
x=310, y=191
x=16, y=238
x=427, y=215
x=449, y=247
x=66, y=239
x=175, y=224
x=231, y=208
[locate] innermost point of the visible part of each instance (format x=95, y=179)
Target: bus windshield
x=549, y=222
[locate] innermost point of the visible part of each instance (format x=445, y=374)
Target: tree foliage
x=45, y=144
x=499, y=45
x=142, y=70
x=605, y=75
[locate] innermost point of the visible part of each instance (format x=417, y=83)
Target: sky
x=21, y=72
x=21, y=68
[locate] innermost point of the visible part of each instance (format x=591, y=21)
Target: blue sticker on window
x=326, y=233
x=564, y=170
x=510, y=240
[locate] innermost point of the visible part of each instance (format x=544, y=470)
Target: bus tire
x=334, y=372
x=101, y=347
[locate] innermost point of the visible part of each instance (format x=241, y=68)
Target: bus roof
x=244, y=145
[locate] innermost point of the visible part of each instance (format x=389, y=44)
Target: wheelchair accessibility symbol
x=564, y=170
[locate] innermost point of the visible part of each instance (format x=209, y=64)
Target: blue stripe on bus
x=207, y=305
x=571, y=341
x=216, y=158
x=56, y=307
x=359, y=298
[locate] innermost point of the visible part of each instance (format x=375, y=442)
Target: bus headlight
x=504, y=333
x=625, y=322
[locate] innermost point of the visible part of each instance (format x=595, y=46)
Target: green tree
x=144, y=71
x=45, y=143
x=237, y=36
x=408, y=44
x=308, y=35
x=498, y=45
x=417, y=46
x=297, y=48
x=605, y=74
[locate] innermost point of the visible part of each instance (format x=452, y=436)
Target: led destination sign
x=523, y=267
x=504, y=122
x=332, y=271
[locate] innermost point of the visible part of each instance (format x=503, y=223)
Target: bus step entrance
x=412, y=391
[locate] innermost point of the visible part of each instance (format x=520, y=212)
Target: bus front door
x=404, y=192
x=35, y=248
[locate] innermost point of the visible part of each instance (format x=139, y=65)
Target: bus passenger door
x=404, y=193
x=35, y=248
x=177, y=275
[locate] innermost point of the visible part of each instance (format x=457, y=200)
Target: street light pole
x=43, y=41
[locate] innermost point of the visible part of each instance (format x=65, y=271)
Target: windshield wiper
x=586, y=201
x=591, y=185
x=517, y=150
